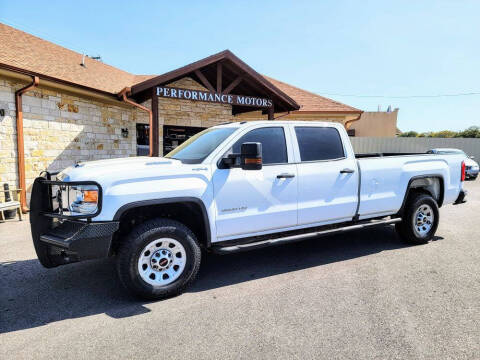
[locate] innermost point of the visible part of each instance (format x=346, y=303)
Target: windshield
x=198, y=147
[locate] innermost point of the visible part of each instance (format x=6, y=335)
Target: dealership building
x=58, y=107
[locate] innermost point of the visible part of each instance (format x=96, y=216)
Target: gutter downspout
x=20, y=142
x=349, y=122
x=124, y=93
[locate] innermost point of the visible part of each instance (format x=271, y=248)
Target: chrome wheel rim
x=162, y=261
x=423, y=220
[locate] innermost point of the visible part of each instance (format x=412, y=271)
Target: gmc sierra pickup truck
x=233, y=187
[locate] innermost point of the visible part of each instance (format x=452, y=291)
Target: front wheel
x=158, y=259
x=420, y=220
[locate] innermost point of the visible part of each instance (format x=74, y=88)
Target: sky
x=363, y=53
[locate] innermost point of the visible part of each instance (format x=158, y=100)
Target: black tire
x=407, y=229
x=133, y=245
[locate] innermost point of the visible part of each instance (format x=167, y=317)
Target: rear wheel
x=420, y=220
x=158, y=259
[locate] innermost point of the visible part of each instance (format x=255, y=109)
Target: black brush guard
x=61, y=238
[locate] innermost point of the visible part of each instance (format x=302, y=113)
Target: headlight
x=85, y=199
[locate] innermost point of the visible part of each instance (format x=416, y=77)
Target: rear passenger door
x=327, y=176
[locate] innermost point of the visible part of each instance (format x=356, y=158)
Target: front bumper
x=71, y=241
x=60, y=239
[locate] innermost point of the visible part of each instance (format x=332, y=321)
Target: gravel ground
x=362, y=295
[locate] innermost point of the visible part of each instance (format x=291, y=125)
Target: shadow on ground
x=32, y=296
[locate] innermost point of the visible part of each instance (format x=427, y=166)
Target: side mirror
x=228, y=162
x=251, y=156
x=472, y=157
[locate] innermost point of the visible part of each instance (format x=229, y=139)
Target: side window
x=319, y=143
x=274, y=148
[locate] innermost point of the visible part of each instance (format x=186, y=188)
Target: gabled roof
x=23, y=52
x=310, y=102
x=252, y=83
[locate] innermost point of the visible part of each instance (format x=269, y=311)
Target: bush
x=409, y=134
x=445, y=134
x=471, y=132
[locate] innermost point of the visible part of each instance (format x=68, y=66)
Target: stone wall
x=61, y=129
x=190, y=113
x=297, y=116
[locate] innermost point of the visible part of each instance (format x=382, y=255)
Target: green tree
x=409, y=134
x=425, y=134
x=444, y=134
x=471, y=132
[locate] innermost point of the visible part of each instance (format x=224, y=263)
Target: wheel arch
x=433, y=185
x=195, y=204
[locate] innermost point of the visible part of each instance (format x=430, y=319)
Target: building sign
x=199, y=95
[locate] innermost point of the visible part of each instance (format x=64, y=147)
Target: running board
x=299, y=237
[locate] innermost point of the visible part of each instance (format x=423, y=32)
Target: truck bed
x=385, y=178
x=372, y=155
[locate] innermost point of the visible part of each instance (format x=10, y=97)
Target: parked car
x=471, y=166
x=233, y=187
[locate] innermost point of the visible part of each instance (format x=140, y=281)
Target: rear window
x=319, y=143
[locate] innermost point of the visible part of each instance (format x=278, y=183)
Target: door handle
x=285, y=176
x=347, y=171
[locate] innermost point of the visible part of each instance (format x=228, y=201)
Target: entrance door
x=328, y=178
x=253, y=201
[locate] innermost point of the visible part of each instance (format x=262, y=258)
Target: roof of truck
x=280, y=122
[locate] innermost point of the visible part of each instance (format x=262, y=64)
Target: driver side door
x=249, y=202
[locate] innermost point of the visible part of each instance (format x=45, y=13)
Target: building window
x=143, y=134
x=176, y=135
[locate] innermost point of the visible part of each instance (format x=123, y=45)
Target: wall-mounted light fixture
x=125, y=133
x=2, y=112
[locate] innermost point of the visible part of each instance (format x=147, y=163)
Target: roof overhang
x=222, y=73
x=340, y=112
x=58, y=84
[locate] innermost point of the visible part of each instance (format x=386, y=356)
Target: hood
x=121, y=168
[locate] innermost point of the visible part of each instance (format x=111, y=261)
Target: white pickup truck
x=233, y=187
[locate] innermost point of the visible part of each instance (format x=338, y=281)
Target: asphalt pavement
x=361, y=295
